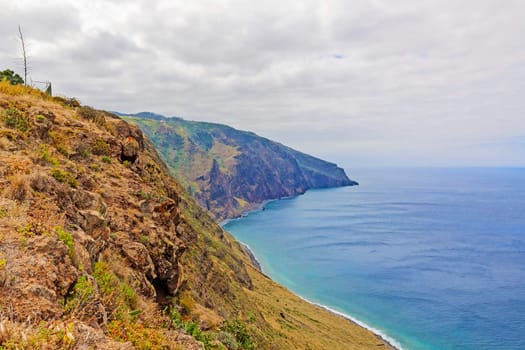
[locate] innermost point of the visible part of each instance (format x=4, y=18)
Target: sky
x=359, y=83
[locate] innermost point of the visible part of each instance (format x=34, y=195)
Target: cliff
x=101, y=248
x=229, y=171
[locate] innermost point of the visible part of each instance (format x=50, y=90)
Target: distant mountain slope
x=230, y=171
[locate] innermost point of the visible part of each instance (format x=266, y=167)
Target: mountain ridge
x=231, y=171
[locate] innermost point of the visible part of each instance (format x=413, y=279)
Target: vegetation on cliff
x=229, y=171
x=101, y=248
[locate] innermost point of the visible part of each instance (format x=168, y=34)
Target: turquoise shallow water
x=433, y=258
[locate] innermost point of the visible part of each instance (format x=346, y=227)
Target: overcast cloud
x=356, y=82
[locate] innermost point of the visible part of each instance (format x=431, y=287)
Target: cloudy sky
x=360, y=83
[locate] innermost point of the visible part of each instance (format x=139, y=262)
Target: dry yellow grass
x=304, y=325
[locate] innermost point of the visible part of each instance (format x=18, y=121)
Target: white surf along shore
x=387, y=339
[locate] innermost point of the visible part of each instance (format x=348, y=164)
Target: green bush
x=16, y=119
x=237, y=328
x=46, y=156
x=64, y=176
x=119, y=297
x=83, y=293
x=67, y=239
x=11, y=77
x=228, y=340
x=100, y=147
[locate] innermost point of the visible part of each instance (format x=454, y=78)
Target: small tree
x=11, y=77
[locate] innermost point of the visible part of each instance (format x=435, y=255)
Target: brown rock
x=89, y=220
x=130, y=149
x=88, y=338
x=38, y=277
x=139, y=257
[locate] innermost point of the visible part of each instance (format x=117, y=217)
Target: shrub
x=16, y=119
x=120, y=299
x=92, y=115
x=19, y=188
x=68, y=102
x=228, y=340
x=45, y=155
x=64, y=176
x=106, y=159
x=140, y=336
x=31, y=229
x=11, y=77
x=189, y=327
x=186, y=303
x=83, y=293
x=237, y=328
x=100, y=147
x=67, y=239
x=60, y=142
x=94, y=166
x=39, y=182
x=44, y=335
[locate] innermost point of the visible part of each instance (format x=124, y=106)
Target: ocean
x=431, y=259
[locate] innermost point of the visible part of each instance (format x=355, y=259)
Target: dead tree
x=24, y=53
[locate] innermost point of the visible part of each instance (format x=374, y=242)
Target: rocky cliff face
x=101, y=249
x=229, y=171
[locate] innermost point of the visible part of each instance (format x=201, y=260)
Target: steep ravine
x=101, y=248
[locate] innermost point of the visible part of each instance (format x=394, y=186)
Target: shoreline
x=390, y=343
x=255, y=208
x=261, y=206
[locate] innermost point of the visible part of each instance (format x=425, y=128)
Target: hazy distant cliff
x=229, y=171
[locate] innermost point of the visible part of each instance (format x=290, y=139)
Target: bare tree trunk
x=24, y=52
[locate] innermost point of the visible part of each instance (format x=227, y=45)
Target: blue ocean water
x=432, y=258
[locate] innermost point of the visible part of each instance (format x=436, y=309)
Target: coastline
x=255, y=208
x=389, y=342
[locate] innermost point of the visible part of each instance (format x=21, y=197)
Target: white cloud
x=424, y=82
